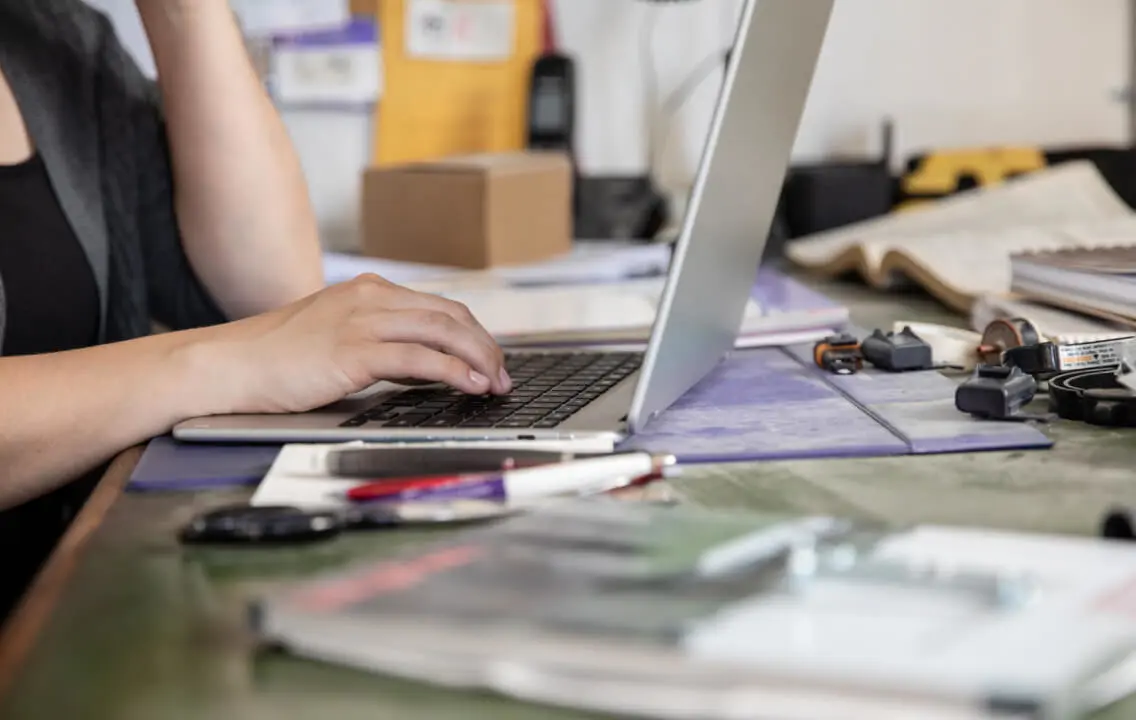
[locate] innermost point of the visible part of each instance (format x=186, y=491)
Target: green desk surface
x=125, y=625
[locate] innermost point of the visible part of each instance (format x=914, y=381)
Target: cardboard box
x=475, y=211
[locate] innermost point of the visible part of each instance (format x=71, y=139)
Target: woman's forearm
x=243, y=206
x=66, y=413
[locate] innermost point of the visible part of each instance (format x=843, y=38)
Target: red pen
x=386, y=489
x=580, y=477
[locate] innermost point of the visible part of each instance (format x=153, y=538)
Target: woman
x=123, y=202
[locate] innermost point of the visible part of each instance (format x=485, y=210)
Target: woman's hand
x=343, y=340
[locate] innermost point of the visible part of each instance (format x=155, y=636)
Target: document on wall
x=339, y=68
x=456, y=31
x=264, y=18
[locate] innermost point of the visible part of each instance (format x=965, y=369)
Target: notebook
x=1100, y=282
x=960, y=248
x=685, y=613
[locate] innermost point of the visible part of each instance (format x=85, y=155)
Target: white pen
x=591, y=476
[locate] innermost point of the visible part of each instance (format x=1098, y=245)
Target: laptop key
x=529, y=415
x=408, y=420
x=399, y=423
x=438, y=405
x=438, y=422
x=449, y=419
x=478, y=423
x=511, y=423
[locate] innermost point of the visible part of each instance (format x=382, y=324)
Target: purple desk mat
x=776, y=293
x=775, y=404
x=168, y=465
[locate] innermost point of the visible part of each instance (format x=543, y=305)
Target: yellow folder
x=435, y=107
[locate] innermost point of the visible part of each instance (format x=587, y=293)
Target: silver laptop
x=567, y=394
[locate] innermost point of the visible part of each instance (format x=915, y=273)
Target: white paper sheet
x=338, y=69
x=589, y=262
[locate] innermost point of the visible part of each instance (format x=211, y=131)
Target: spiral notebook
x=960, y=248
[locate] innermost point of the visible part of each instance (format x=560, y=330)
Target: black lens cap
x=245, y=524
x=1118, y=525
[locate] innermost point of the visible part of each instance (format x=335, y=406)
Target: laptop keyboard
x=547, y=390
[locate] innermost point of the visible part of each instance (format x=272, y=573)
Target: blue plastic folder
x=171, y=466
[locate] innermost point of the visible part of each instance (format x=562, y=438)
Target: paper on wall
x=341, y=67
x=461, y=31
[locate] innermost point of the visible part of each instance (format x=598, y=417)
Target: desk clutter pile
x=578, y=578
x=1044, y=264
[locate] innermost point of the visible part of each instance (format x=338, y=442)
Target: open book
x=960, y=248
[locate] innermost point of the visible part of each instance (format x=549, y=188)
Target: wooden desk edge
x=19, y=636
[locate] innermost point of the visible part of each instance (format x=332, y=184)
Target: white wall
x=949, y=72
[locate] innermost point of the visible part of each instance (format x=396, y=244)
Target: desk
x=124, y=625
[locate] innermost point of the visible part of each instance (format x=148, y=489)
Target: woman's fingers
x=440, y=332
x=409, y=360
x=394, y=297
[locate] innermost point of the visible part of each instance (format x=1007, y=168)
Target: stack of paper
x=589, y=262
x=604, y=293
x=780, y=311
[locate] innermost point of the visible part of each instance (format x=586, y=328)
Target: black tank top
x=51, y=298
x=52, y=304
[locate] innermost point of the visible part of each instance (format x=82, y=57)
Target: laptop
x=565, y=394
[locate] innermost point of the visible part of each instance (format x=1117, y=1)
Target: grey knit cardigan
x=96, y=122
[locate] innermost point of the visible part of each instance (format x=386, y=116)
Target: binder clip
x=839, y=354
x=996, y=393
x=897, y=352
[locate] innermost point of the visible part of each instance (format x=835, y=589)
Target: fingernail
x=478, y=379
x=506, y=381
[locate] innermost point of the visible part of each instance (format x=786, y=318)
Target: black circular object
x=244, y=524
x=1093, y=396
x=1037, y=360
x=1117, y=525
